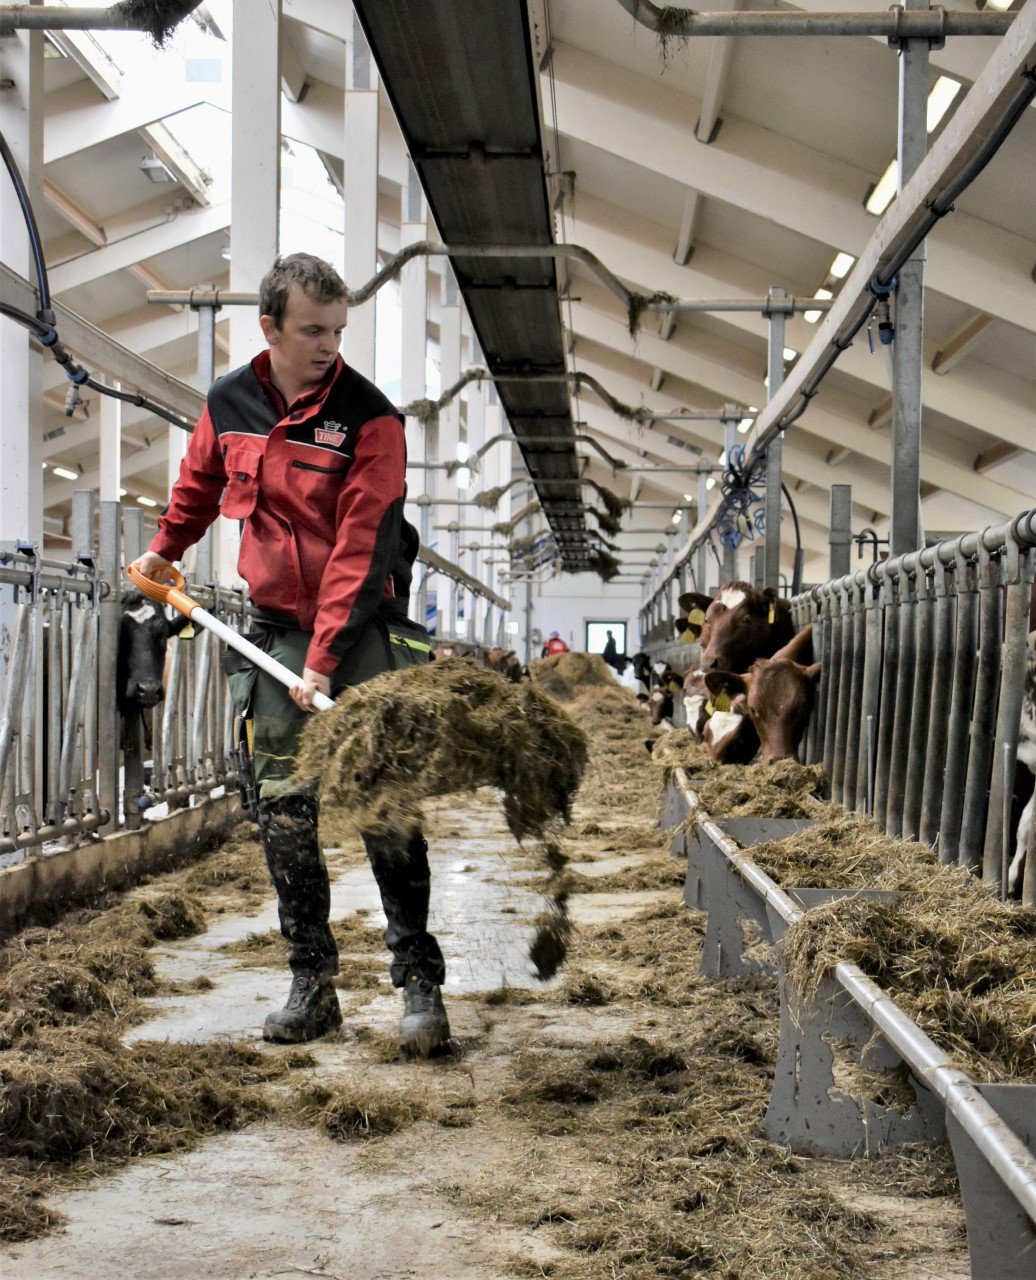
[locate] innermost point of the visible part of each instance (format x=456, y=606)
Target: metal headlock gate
x=70, y=768
x=991, y=1127
x=917, y=717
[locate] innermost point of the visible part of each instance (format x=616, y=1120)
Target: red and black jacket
x=319, y=488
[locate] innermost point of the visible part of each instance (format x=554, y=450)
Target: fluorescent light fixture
x=1001, y=6
x=939, y=100
x=811, y=317
x=722, y=457
x=146, y=502
x=122, y=493
x=44, y=466
x=676, y=517
x=841, y=266
x=790, y=353
x=688, y=497
x=884, y=190
x=65, y=474
x=710, y=483
x=745, y=425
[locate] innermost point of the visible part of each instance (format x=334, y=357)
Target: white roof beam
x=76, y=120
x=72, y=213
x=960, y=57
x=330, y=16
x=728, y=383
x=779, y=179
x=988, y=399
x=962, y=342
x=118, y=255
x=716, y=77
x=653, y=446
x=155, y=454
x=294, y=81
x=797, y=460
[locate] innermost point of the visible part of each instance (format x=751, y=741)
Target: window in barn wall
x=597, y=636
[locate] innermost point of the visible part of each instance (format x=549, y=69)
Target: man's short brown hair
x=317, y=278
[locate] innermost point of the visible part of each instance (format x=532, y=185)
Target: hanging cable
x=43, y=325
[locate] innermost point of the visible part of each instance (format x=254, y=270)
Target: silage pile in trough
x=845, y=852
x=446, y=727
x=679, y=749
x=786, y=789
x=962, y=965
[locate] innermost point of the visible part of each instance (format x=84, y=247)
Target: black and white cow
x=144, y=631
x=1026, y=756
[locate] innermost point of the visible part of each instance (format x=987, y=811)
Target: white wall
x=566, y=603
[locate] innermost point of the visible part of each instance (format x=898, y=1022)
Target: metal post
x=424, y=506
x=983, y=716
x=775, y=376
x=729, y=553
x=907, y=354
x=966, y=583
x=84, y=507
x=840, y=538
x=1018, y=565
x=702, y=569
x=108, y=643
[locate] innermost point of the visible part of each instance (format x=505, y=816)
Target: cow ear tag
x=773, y=614
x=696, y=617
x=187, y=633
x=722, y=701
x=688, y=636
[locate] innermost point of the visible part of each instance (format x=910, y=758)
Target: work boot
x=424, y=1030
x=312, y=1010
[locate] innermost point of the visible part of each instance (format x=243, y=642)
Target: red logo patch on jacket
x=328, y=435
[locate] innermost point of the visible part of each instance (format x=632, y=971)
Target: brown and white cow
x=505, y=663
x=740, y=623
x=1026, y=756
x=660, y=699
x=767, y=708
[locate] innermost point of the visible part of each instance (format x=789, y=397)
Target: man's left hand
x=312, y=682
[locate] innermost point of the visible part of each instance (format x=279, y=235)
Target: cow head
x=728, y=732
x=695, y=700
x=743, y=623
x=775, y=698
x=693, y=607
x=660, y=699
x=505, y=663
x=140, y=662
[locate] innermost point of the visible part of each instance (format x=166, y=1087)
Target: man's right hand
x=151, y=565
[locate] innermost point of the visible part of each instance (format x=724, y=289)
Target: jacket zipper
x=311, y=466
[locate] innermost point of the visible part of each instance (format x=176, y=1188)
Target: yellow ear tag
x=187, y=633
x=696, y=617
x=710, y=707
x=773, y=614
x=688, y=636
x=722, y=701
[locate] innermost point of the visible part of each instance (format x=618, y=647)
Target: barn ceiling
x=804, y=127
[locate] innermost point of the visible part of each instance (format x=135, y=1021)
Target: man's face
x=305, y=346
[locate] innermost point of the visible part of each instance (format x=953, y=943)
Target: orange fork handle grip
x=165, y=593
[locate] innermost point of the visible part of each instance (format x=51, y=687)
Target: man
x=554, y=645
x=611, y=651
x=310, y=457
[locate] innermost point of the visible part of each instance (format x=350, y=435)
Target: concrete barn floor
x=279, y=1201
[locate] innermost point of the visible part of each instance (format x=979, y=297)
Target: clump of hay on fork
x=405, y=736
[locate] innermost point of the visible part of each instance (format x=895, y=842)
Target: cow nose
x=148, y=693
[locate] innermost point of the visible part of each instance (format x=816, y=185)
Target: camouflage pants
x=288, y=813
